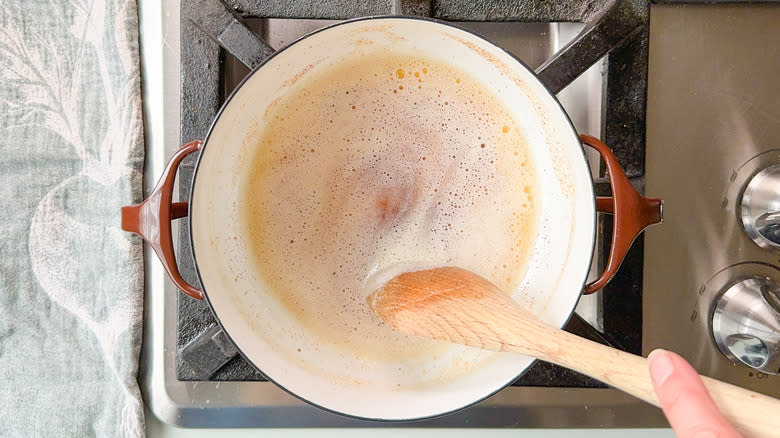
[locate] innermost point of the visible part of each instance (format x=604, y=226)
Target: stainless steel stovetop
x=713, y=122
x=674, y=308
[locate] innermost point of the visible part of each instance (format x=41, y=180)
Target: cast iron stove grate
x=212, y=30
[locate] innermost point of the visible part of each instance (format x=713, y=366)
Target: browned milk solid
x=385, y=160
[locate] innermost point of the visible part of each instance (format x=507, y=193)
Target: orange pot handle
x=152, y=218
x=632, y=213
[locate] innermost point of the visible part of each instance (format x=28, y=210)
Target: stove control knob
x=760, y=208
x=746, y=324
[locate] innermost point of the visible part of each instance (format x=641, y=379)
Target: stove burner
x=607, y=28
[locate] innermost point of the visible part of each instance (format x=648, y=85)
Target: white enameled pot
x=260, y=326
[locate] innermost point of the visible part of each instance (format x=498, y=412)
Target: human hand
x=684, y=398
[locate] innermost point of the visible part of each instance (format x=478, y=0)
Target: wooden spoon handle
x=455, y=305
x=751, y=413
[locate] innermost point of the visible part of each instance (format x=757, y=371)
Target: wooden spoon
x=456, y=305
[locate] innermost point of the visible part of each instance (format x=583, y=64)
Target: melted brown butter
x=385, y=159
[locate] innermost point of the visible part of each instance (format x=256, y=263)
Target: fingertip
x=661, y=366
x=684, y=398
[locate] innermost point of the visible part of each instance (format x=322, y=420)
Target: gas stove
x=593, y=54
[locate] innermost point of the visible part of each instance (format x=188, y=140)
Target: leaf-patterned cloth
x=71, y=282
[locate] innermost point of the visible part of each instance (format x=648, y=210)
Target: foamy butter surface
x=381, y=162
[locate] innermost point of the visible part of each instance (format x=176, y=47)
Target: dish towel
x=71, y=281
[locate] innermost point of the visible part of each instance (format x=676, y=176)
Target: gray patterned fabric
x=71, y=282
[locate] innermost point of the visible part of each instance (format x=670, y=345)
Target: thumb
x=684, y=398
